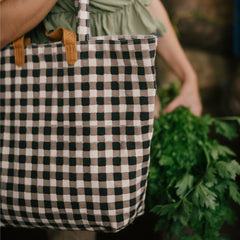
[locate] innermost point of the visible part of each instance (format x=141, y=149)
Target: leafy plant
x=192, y=177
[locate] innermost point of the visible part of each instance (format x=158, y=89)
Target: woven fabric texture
x=75, y=139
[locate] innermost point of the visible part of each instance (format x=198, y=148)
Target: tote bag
x=75, y=138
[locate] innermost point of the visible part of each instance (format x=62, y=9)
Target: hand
x=188, y=97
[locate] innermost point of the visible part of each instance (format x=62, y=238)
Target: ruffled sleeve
x=118, y=17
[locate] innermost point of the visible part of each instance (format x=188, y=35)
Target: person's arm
x=18, y=17
x=171, y=51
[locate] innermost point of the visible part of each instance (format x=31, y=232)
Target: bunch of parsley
x=192, y=177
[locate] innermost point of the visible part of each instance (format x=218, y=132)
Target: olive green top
x=107, y=17
x=117, y=17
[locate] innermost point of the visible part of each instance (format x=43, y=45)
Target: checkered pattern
x=75, y=140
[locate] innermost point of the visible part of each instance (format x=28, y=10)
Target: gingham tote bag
x=75, y=139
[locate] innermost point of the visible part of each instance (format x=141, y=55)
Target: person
x=109, y=17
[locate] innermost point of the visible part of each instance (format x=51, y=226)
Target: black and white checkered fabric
x=75, y=139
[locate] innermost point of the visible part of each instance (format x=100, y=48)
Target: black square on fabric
x=86, y=146
x=86, y=116
x=48, y=102
x=21, y=187
x=47, y=130
x=73, y=191
x=72, y=161
x=59, y=191
x=60, y=145
x=23, y=102
x=72, y=117
x=59, y=176
x=22, y=159
x=70, y=71
x=144, y=171
x=144, y=116
x=115, y=116
x=24, y=73
x=72, y=102
x=103, y=206
x=21, y=173
x=129, y=116
x=99, y=85
x=145, y=129
x=100, y=70
x=72, y=131
x=138, y=55
x=105, y=218
x=86, y=162
x=12, y=102
x=34, y=145
x=141, y=71
x=72, y=146
x=103, y=191
x=75, y=205
x=47, y=145
x=116, y=130
x=23, y=87
x=36, y=87
x=60, y=102
x=21, y=202
x=34, y=189
x=101, y=131
x=60, y=205
x=146, y=144
x=49, y=87
x=115, y=100
x=12, y=144
x=46, y=190
x=71, y=86
x=59, y=57
x=46, y=175
x=116, y=161
x=129, y=100
x=48, y=116
x=132, y=202
x=116, y=146
x=46, y=160
x=114, y=85
x=36, y=73
x=113, y=55
x=128, y=70
x=118, y=191
x=12, y=73
x=128, y=85
x=132, y=161
x=84, y=70
x=49, y=72
x=85, y=101
x=101, y=146
x=100, y=116
x=143, y=85
x=132, y=188
x=130, y=130
x=114, y=71
x=130, y=145
x=22, y=144
x=117, y=176
x=48, y=58
x=119, y=218
x=49, y=216
x=34, y=203
x=102, y=177
x=152, y=53
x=85, y=86
x=101, y=162
x=99, y=54
x=125, y=55
x=34, y=174
x=83, y=55
x=60, y=117
x=100, y=100
x=91, y=218
x=88, y=191
x=36, y=102
x=22, y=130
x=12, y=116
x=60, y=87
x=89, y=205
x=60, y=131
x=60, y=72
x=119, y=205
x=143, y=100
x=86, y=131
x=132, y=175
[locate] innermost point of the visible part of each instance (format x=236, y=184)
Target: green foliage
x=192, y=177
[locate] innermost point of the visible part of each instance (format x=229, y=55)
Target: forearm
x=18, y=17
x=169, y=47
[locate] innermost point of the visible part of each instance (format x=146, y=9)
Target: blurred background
x=209, y=31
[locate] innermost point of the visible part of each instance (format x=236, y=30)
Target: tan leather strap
x=19, y=51
x=70, y=41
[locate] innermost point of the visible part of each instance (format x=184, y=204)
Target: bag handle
x=69, y=39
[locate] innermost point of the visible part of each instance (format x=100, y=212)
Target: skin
x=171, y=51
x=20, y=16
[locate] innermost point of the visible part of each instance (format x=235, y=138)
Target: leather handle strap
x=70, y=41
